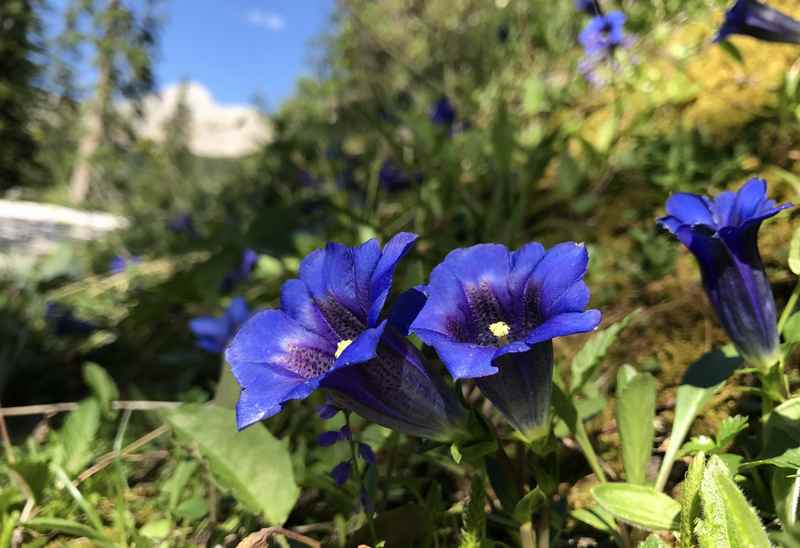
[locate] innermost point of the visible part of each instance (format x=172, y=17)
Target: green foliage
x=690, y=500
x=638, y=505
x=728, y=519
x=636, y=408
x=268, y=491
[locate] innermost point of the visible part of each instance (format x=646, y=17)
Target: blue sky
x=236, y=48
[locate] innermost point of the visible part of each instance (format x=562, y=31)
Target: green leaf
x=78, y=435
x=785, y=489
x=587, y=359
x=782, y=431
x=177, y=482
x=474, y=515
x=597, y=517
x=791, y=331
x=102, y=385
x=702, y=380
x=65, y=526
x=788, y=459
x=156, y=529
x=794, y=253
x=690, y=501
x=636, y=408
x=652, y=541
x=35, y=472
x=638, y=505
x=529, y=504
x=729, y=428
x=727, y=516
x=728, y=47
x=565, y=410
x=254, y=465
x=192, y=509
x=455, y=453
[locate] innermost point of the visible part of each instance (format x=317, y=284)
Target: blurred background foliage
x=530, y=151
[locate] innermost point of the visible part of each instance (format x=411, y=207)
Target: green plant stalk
x=360, y=475
x=122, y=480
x=87, y=508
x=675, y=442
x=789, y=308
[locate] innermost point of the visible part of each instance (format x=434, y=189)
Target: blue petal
x=326, y=439
x=237, y=311
x=523, y=263
x=365, y=260
x=564, y=324
x=690, y=209
x=462, y=360
x=341, y=472
x=208, y=326
x=381, y=279
x=297, y=302
x=273, y=337
x=563, y=266
x=748, y=201
x=406, y=309
x=210, y=344
x=366, y=453
x=269, y=388
x=363, y=348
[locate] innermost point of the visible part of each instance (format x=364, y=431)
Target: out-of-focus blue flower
x=329, y=333
x=329, y=438
x=120, y=264
x=443, y=113
x=327, y=411
x=64, y=323
x=491, y=314
x=182, y=224
x=341, y=472
x=393, y=177
x=213, y=333
x=366, y=453
x=241, y=273
x=307, y=180
x=756, y=19
x=587, y=6
x=603, y=34
x=722, y=233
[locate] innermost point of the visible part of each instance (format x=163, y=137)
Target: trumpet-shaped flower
x=329, y=334
x=491, y=314
x=213, y=333
x=756, y=19
x=722, y=233
x=603, y=34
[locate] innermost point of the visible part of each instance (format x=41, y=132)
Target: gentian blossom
x=393, y=177
x=600, y=38
x=241, y=273
x=213, y=333
x=328, y=333
x=587, y=6
x=443, y=113
x=603, y=34
x=491, y=314
x=756, y=19
x=722, y=233
x=182, y=224
x=120, y=263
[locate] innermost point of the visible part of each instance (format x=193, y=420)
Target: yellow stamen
x=501, y=331
x=341, y=347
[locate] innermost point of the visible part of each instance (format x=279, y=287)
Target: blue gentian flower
x=366, y=453
x=722, y=233
x=603, y=34
x=587, y=6
x=341, y=472
x=120, y=264
x=64, y=322
x=213, y=333
x=756, y=19
x=182, y=223
x=393, y=177
x=241, y=273
x=491, y=314
x=329, y=334
x=443, y=113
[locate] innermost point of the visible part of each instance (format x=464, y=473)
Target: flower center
x=500, y=330
x=341, y=347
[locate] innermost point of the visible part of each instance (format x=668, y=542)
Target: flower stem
x=360, y=475
x=789, y=308
x=543, y=528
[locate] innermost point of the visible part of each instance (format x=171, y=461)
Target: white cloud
x=266, y=20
